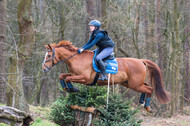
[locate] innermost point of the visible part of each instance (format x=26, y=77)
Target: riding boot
x=103, y=70
x=63, y=84
x=71, y=88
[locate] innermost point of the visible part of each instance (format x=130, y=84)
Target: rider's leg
x=103, y=54
x=103, y=70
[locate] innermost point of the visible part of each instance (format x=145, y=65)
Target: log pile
x=14, y=117
x=86, y=118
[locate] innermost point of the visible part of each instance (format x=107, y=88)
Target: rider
x=105, y=45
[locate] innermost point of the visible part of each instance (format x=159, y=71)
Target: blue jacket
x=99, y=38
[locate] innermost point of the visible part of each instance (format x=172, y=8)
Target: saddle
x=110, y=63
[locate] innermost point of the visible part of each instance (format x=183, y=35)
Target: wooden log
x=14, y=117
x=84, y=109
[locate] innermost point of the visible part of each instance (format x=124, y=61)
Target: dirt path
x=179, y=120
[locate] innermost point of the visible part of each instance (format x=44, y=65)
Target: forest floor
x=150, y=120
x=41, y=118
x=178, y=120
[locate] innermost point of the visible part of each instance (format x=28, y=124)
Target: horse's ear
x=48, y=47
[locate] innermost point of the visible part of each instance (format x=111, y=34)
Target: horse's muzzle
x=45, y=70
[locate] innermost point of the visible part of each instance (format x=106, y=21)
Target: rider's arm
x=89, y=41
x=96, y=39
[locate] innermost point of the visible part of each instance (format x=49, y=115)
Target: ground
x=178, y=120
x=150, y=120
x=41, y=118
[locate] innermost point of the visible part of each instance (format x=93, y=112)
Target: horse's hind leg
x=146, y=92
x=147, y=100
x=142, y=97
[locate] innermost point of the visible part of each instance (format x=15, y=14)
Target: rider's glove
x=80, y=50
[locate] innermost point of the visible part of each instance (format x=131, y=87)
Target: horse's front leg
x=62, y=76
x=67, y=85
x=77, y=79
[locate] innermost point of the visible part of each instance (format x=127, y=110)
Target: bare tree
x=3, y=28
x=22, y=50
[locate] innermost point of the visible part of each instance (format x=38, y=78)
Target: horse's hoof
x=73, y=90
x=148, y=109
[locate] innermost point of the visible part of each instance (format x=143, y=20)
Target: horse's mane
x=68, y=45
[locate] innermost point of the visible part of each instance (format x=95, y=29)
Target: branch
x=124, y=52
x=14, y=92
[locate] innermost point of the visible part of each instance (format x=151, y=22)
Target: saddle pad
x=111, y=67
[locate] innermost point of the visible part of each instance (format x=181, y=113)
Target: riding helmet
x=95, y=23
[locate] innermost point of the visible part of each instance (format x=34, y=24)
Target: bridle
x=54, y=57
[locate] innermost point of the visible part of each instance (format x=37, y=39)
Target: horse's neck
x=83, y=60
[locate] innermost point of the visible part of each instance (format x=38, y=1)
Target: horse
x=131, y=71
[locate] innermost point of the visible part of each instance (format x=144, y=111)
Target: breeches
x=104, y=53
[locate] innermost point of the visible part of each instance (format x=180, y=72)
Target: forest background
x=157, y=30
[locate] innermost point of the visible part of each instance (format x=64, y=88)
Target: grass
x=38, y=122
x=1, y=124
x=42, y=116
x=38, y=111
x=42, y=122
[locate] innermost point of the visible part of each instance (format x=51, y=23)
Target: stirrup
x=103, y=77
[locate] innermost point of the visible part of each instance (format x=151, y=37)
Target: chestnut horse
x=131, y=72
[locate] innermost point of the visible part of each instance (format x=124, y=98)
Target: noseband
x=53, y=57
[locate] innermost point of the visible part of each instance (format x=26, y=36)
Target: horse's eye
x=49, y=56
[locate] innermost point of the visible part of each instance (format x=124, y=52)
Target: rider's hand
x=80, y=50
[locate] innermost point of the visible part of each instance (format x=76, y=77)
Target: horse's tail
x=156, y=81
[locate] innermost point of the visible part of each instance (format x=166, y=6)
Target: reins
x=53, y=57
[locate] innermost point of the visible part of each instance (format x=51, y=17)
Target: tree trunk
x=91, y=8
x=25, y=47
x=187, y=52
x=158, y=34
x=103, y=9
x=14, y=117
x=176, y=54
x=146, y=32
x=186, y=64
x=3, y=28
x=136, y=30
